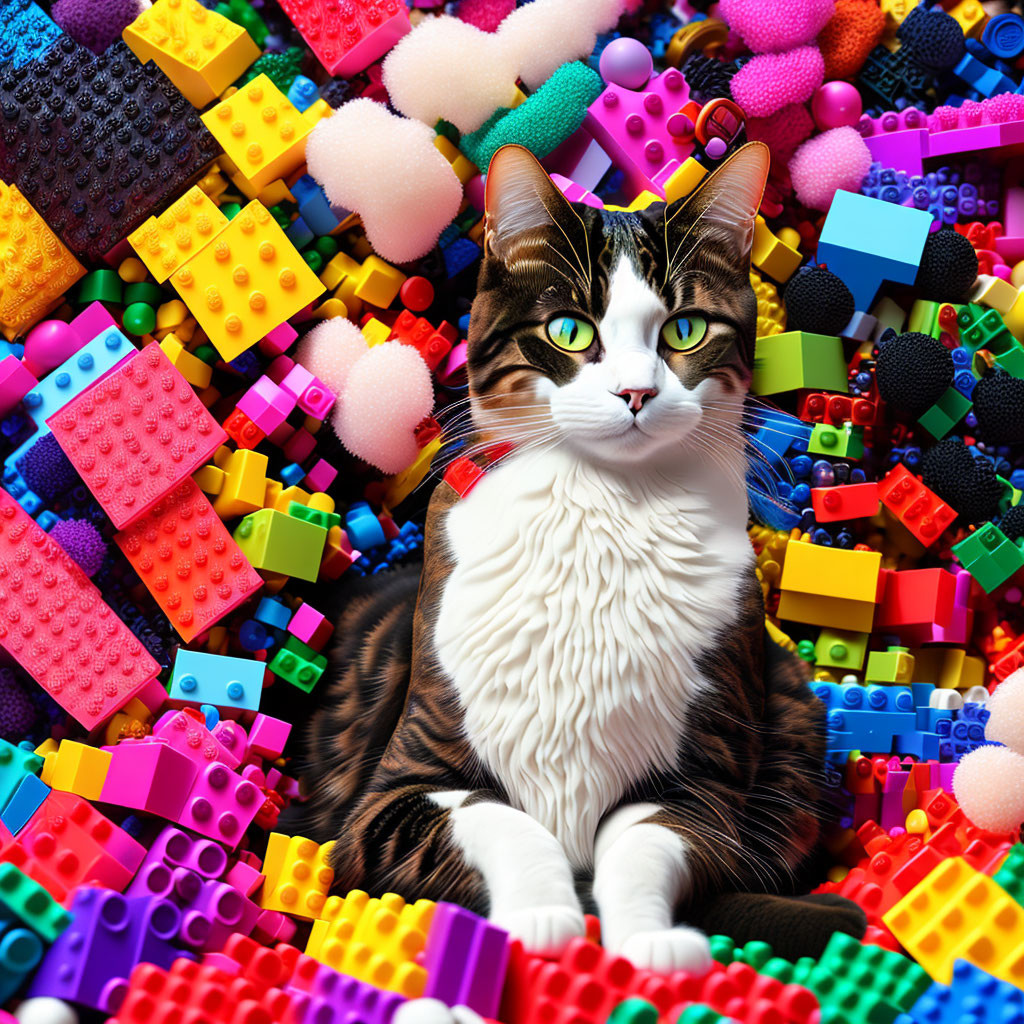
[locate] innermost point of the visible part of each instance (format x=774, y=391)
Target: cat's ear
x=519, y=199
x=729, y=199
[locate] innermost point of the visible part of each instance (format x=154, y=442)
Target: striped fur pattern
x=418, y=764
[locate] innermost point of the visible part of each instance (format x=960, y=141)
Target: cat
x=574, y=702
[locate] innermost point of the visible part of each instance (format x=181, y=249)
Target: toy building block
x=796, y=359
x=178, y=850
x=276, y=542
x=186, y=732
x=917, y=507
x=840, y=648
x=136, y=434
x=845, y=442
x=771, y=255
x=312, y=395
x=187, y=560
x=149, y=775
x=15, y=764
x=226, y=683
x=194, y=370
x=375, y=940
x=350, y=42
x=989, y=556
x=245, y=282
x=91, y=960
x=266, y=405
x=199, y=50
x=895, y=665
x=373, y=281
x=221, y=805
x=299, y=664
x=35, y=267
x=268, y=736
x=946, y=413
x=263, y=135
x=28, y=902
x=24, y=802
x=335, y=997
x=77, y=768
x=830, y=586
x=972, y=994
x=298, y=876
x=867, y=241
x=432, y=344
x=26, y=32
x=852, y=501
x=310, y=626
x=168, y=241
x=243, y=485
x=914, y=601
x=66, y=637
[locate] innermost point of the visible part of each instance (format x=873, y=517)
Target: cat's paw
x=545, y=931
x=674, y=949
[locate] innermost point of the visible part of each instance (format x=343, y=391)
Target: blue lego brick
x=20, y=952
x=363, y=528
x=925, y=746
x=303, y=92
x=774, y=433
x=459, y=255
x=26, y=32
x=982, y=78
x=27, y=799
x=867, y=241
x=973, y=995
x=15, y=764
x=272, y=613
x=314, y=208
x=299, y=233
x=292, y=474
x=216, y=679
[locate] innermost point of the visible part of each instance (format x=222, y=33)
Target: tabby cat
x=574, y=703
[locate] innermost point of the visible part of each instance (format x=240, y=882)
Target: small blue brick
x=292, y=475
x=216, y=679
x=272, y=613
x=15, y=764
x=303, y=92
x=27, y=799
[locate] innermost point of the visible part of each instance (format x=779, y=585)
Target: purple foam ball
x=626, y=62
x=96, y=24
x=17, y=712
x=82, y=541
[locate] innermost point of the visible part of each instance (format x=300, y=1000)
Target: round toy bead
x=836, y=104
x=626, y=62
x=139, y=318
x=132, y=270
x=45, y=1010
x=416, y=293
x=49, y=344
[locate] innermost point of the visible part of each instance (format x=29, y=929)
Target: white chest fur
x=572, y=623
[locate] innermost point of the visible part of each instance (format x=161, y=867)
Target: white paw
x=674, y=949
x=545, y=931
x=433, y=1011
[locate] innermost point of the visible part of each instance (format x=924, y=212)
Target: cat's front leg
x=641, y=875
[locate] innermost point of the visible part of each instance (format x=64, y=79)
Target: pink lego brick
x=15, y=383
x=300, y=445
x=136, y=434
x=279, y=340
x=268, y=735
x=266, y=404
x=576, y=193
x=1013, y=211
x=321, y=476
x=149, y=775
x=280, y=368
x=580, y=158
x=221, y=805
x=54, y=623
x=453, y=369
x=349, y=39
x=280, y=437
x=310, y=626
x=314, y=397
x=233, y=738
x=187, y=733
x=246, y=878
x=905, y=150
x=272, y=927
x=961, y=624
x=644, y=131
x=92, y=321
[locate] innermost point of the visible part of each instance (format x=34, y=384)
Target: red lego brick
x=136, y=433
x=54, y=623
x=463, y=475
x=349, y=35
x=826, y=407
x=852, y=501
x=917, y=507
x=432, y=344
x=188, y=561
x=242, y=430
x=914, y=599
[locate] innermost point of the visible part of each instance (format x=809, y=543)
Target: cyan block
x=867, y=241
x=27, y=799
x=216, y=679
x=26, y=32
x=15, y=764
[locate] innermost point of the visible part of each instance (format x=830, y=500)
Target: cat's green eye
x=684, y=333
x=570, y=333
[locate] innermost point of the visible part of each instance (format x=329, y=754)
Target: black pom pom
x=948, y=267
x=999, y=406
x=935, y=39
x=818, y=302
x=708, y=79
x=913, y=371
x=1012, y=523
x=967, y=484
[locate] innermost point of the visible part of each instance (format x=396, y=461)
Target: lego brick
x=838, y=442
x=298, y=663
x=187, y=733
x=245, y=282
x=36, y=268
x=244, y=484
x=15, y=763
x=26, y=32
x=831, y=572
x=187, y=560
x=298, y=877
x=199, y=50
x=228, y=683
x=972, y=995
x=771, y=255
x=148, y=775
x=276, y=542
x=310, y=626
x=796, y=359
x=913, y=600
x=989, y=556
x=136, y=434
x=852, y=501
x=77, y=768
x=23, y=803
x=268, y=736
x=895, y=665
x=946, y=413
x=839, y=648
x=221, y=805
x=168, y=241
x=31, y=904
x=917, y=507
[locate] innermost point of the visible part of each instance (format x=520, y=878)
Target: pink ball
x=838, y=159
x=771, y=81
x=626, y=62
x=773, y=26
x=836, y=105
x=49, y=344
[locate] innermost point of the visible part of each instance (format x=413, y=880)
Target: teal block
x=27, y=799
x=15, y=764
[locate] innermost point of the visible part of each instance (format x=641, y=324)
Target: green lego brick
x=924, y=318
x=634, y=1011
x=299, y=664
x=984, y=328
x=946, y=413
x=989, y=556
x=1012, y=361
x=277, y=542
x=698, y=1013
x=15, y=764
x=895, y=665
x=31, y=903
x=845, y=442
x=316, y=516
x=1009, y=497
x=841, y=648
x=723, y=949
x=1011, y=873
x=797, y=359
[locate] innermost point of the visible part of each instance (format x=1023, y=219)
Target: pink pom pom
x=771, y=81
x=989, y=786
x=783, y=131
x=485, y=15
x=838, y=159
x=388, y=170
x=772, y=26
x=1006, y=712
x=330, y=350
x=387, y=395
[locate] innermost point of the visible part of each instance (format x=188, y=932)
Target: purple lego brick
x=176, y=849
x=338, y=999
x=906, y=150
x=465, y=960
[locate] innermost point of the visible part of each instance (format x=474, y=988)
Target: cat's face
x=626, y=336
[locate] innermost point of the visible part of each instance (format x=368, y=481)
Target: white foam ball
x=45, y=1010
x=388, y=170
x=1006, y=712
x=989, y=786
x=330, y=350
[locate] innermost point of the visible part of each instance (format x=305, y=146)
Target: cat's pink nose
x=635, y=397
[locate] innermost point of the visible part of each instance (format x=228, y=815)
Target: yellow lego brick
x=463, y=167
x=320, y=502
x=402, y=485
x=331, y=308
x=374, y=940
x=831, y=572
x=297, y=875
x=895, y=11
x=200, y=51
x=167, y=242
x=193, y=369
x=957, y=913
x=971, y=17
x=684, y=179
x=949, y=668
x=245, y=482
x=272, y=493
x=771, y=313
x=771, y=255
x=47, y=747
x=1014, y=317
x=993, y=292
x=835, y=612
x=77, y=768
x=375, y=332
x=276, y=192
x=284, y=498
x=372, y=281
x=317, y=111
x=248, y=280
x=36, y=268
x=261, y=133
x=641, y=202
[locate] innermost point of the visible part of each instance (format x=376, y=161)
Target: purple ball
x=17, y=712
x=626, y=62
x=96, y=24
x=82, y=541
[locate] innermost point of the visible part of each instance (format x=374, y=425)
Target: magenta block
x=190, y=736
x=279, y=340
x=321, y=476
x=280, y=368
x=312, y=394
x=579, y=158
x=149, y=775
x=221, y=805
x=267, y=736
x=905, y=150
x=92, y=321
x=1013, y=211
x=176, y=849
x=272, y=927
x=15, y=383
x=246, y=878
x=576, y=193
x=961, y=623
x=280, y=437
x=310, y=626
x=349, y=998
x=233, y=738
x=266, y=404
x=300, y=445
